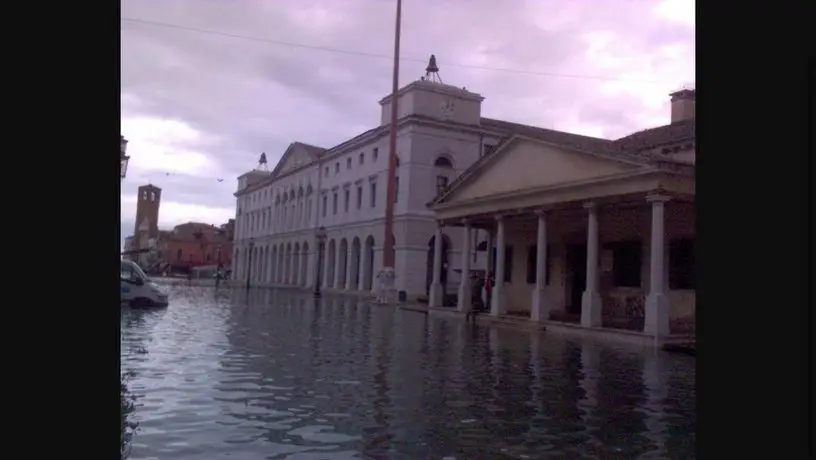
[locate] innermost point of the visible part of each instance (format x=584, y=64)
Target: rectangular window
x=626, y=263
x=348, y=163
x=359, y=197
x=326, y=171
x=373, y=192
x=334, y=203
x=346, y=200
x=508, y=263
x=362, y=158
x=396, y=189
x=325, y=205
x=375, y=153
x=681, y=263
x=441, y=184
x=532, y=264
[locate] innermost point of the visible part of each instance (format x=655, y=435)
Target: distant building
x=194, y=244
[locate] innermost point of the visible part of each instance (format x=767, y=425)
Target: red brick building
x=195, y=244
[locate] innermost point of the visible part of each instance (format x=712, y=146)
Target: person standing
x=488, y=286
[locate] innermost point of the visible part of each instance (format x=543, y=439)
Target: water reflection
x=271, y=374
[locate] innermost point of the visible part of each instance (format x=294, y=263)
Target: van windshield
x=132, y=271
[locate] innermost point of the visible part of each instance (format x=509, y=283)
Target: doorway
x=576, y=268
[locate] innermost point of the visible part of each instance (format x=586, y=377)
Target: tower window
x=443, y=162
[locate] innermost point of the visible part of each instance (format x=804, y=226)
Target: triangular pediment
x=524, y=164
x=296, y=155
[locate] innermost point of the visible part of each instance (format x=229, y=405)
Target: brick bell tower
x=147, y=211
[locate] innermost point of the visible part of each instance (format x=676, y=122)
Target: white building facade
x=340, y=193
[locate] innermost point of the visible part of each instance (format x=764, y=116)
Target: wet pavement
x=275, y=375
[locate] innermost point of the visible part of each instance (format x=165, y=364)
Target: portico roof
x=532, y=172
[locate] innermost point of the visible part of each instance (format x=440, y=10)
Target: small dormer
x=430, y=97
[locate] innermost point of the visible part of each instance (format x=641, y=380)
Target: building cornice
x=368, y=137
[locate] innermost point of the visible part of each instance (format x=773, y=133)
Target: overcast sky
x=207, y=85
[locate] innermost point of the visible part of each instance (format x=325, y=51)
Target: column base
x=464, y=299
x=497, y=304
x=591, y=309
x=656, y=315
x=435, y=296
x=540, y=309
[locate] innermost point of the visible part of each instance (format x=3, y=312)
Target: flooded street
x=276, y=375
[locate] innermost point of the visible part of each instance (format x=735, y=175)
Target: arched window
x=443, y=162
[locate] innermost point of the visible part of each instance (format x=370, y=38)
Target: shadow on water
x=271, y=374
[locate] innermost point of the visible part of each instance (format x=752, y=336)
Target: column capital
x=499, y=217
x=591, y=205
x=657, y=198
x=440, y=224
x=466, y=221
x=540, y=212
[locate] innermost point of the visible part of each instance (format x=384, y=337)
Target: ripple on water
x=277, y=376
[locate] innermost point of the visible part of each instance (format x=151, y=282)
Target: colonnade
x=656, y=311
x=341, y=266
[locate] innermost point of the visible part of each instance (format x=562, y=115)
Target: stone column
x=540, y=309
x=265, y=265
x=337, y=248
x=436, y=292
x=310, y=260
x=279, y=264
x=591, y=301
x=463, y=303
x=497, y=305
x=326, y=261
x=656, y=312
x=314, y=267
x=349, y=265
x=361, y=266
x=294, y=274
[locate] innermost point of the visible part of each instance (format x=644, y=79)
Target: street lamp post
x=123, y=158
x=249, y=261
x=320, y=235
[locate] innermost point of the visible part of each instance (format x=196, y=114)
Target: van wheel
x=141, y=302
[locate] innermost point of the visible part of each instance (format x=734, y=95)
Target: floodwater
x=274, y=375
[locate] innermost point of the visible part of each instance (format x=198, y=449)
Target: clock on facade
x=446, y=109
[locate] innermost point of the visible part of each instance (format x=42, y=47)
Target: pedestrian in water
x=488, y=285
x=476, y=303
x=219, y=272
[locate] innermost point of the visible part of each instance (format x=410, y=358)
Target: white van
x=137, y=290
